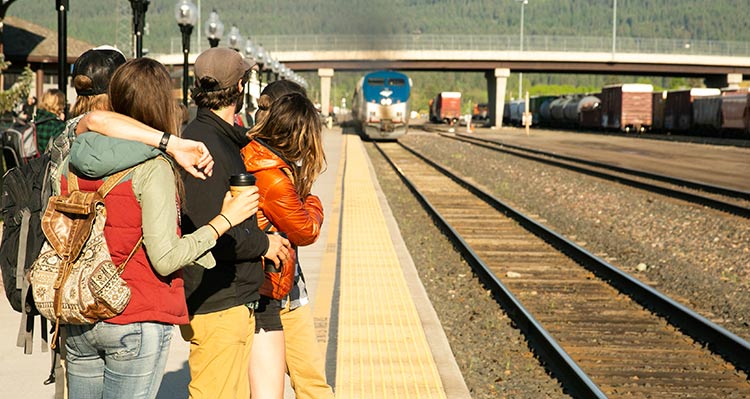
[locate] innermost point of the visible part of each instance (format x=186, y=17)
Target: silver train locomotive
x=380, y=107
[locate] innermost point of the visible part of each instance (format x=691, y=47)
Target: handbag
x=74, y=280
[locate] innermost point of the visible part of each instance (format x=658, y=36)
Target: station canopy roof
x=25, y=42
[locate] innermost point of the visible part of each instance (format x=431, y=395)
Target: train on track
x=636, y=107
x=446, y=107
x=381, y=107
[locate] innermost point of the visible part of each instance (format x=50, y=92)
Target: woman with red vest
x=286, y=156
x=125, y=356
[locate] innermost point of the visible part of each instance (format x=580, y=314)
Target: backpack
x=25, y=192
x=20, y=144
x=73, y=279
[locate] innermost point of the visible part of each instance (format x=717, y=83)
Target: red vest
x=152, y=297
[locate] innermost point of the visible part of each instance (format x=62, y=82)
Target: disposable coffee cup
x=240, y=182
x=269, y=265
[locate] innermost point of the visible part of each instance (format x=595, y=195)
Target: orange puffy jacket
x=282, y=208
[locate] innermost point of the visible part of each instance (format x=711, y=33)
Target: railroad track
x=600, y=332
x=721, y=198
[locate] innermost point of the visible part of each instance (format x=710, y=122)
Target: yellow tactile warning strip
x=382, y=350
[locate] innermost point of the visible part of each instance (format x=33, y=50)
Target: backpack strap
x=103, y=190
x=42, y=120
x=121, y=267
x=25, y=334
x=113, y=180
x=22, y=242
x=106, y=187
x=25, y=338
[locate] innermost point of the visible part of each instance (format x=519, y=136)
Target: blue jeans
x=110, y=361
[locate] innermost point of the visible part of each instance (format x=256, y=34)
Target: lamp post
x=276, y=68
x=520, y=74
x=260, y=59
x=186, y=14
x=249, y=52
x=234, y=39
x=139, y=21
x=214, y=29
x=268, y=62
x=614, y=27
x=62, y=48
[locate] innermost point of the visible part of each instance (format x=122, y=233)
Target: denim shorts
x=267, y=315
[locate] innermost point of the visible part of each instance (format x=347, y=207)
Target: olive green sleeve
x=154, y=187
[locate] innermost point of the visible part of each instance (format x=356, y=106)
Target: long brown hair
x=141, y=89
x=293, y=129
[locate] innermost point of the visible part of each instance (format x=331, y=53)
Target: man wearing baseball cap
x=221, y=301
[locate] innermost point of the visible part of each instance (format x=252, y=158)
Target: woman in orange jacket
x=286, y=156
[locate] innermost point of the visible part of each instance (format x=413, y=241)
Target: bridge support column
x=731, y=80
x=497, y=80
x=325, y=90
x=734, y=80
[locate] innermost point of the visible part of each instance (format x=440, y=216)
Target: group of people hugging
x=205, y=251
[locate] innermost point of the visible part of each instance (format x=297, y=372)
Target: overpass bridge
x=721, y=64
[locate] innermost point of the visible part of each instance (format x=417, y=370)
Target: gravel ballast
x=698, y=256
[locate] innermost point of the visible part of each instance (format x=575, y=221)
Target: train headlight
x=386, y=101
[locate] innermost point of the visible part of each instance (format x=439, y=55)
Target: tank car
x=380, y=107
x=590, y=111
x=536, y=104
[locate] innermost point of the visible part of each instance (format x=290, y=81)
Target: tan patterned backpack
x=73, y=280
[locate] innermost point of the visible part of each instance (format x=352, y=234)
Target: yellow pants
x=304, y=361
x=220, y=344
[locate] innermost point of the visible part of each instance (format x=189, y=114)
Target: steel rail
x=729, y=346
x=683, y=195
x=547, y=348
x=697, y=185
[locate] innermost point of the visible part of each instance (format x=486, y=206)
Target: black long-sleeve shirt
x=238, y=274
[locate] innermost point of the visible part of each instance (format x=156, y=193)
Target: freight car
x=381, y=107
x=446, y=107
x=627, y=107
x=735, y=112
x=636, y=108
x=678, y=107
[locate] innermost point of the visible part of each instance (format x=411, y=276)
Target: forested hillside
x=108, y=21
x=97, y=20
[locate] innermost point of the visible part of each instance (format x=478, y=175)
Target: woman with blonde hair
x=49, y=118
x=92, y=72
x=286, y=156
